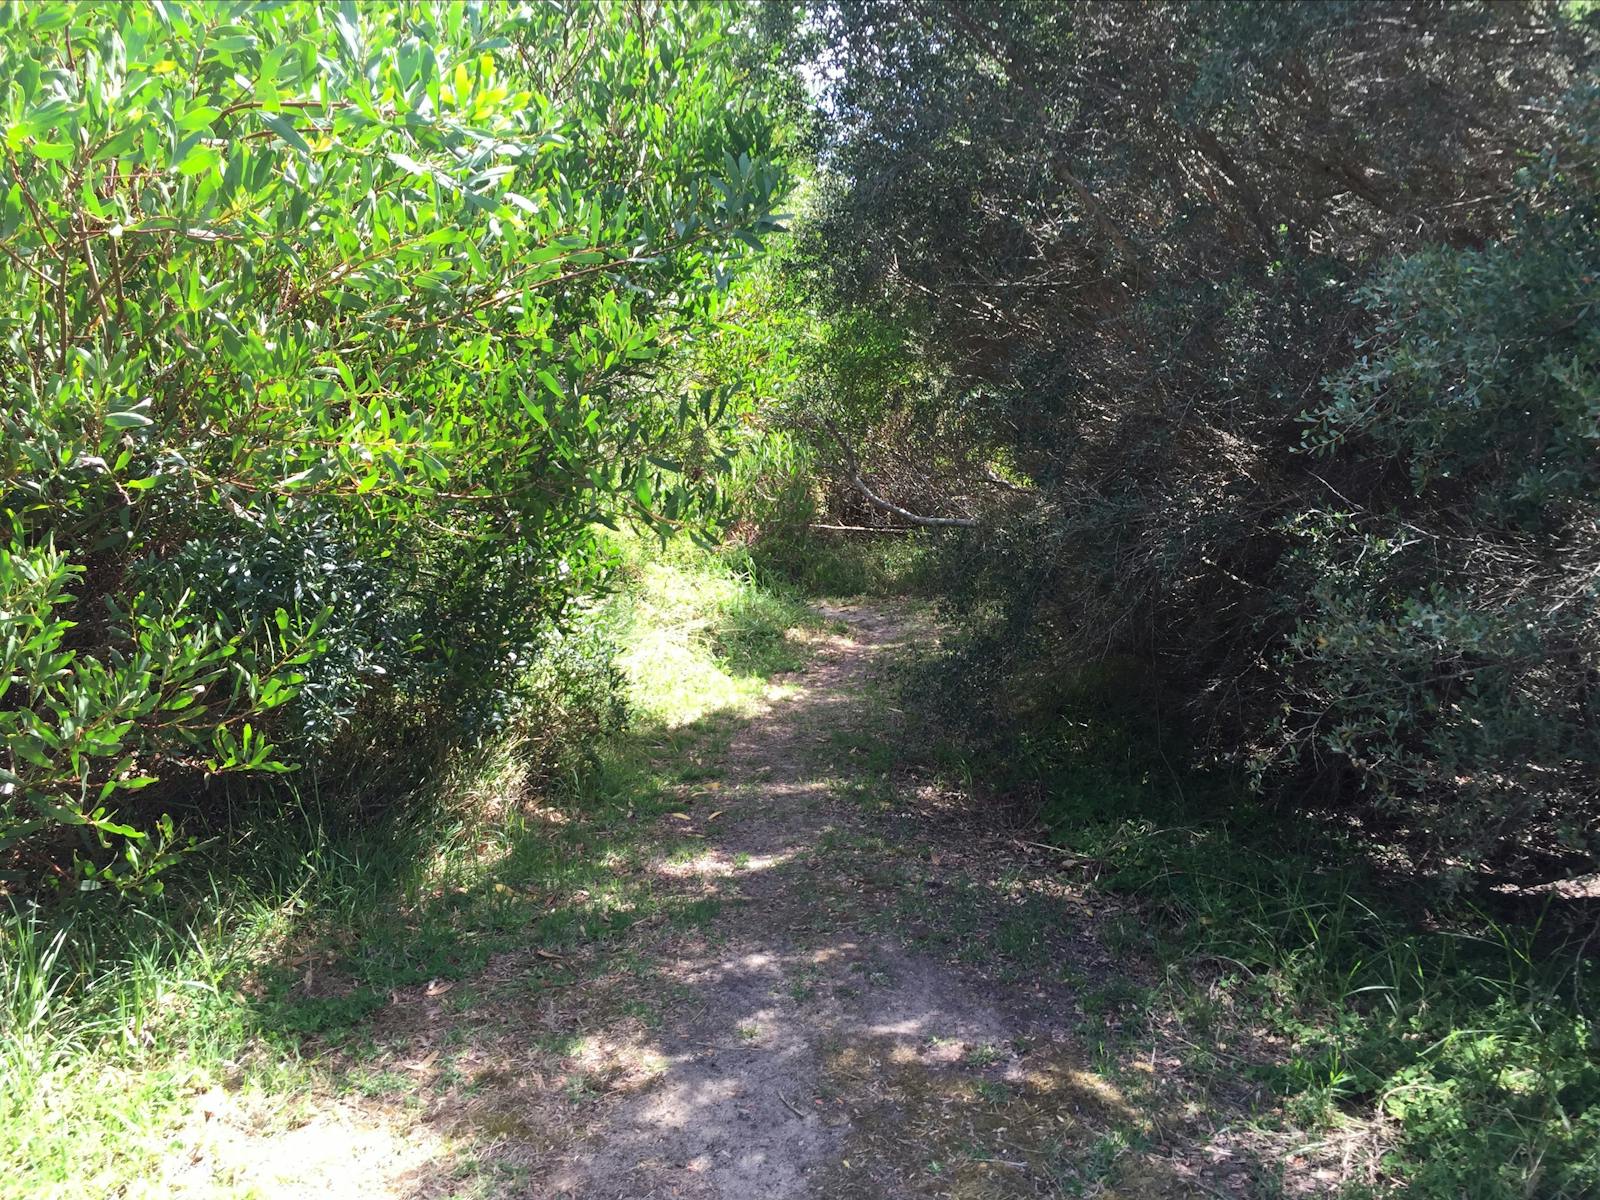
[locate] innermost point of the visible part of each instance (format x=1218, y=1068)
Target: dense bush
x=328, y=333
x=1450, y=651
x=1270, y=366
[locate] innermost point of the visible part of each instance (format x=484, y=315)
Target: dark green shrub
x=1121, y=292
x=1451, y=653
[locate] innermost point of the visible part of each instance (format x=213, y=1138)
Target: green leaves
x=401, y=301
x=198, y=118
x=549, y=381
x=285, y=130
x=200, y=158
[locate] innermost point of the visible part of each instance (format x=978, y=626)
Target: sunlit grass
x=117, y=1019
x=701, y=636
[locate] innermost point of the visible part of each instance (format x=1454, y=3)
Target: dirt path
x=810, y=1052
x=886, y=1000
x=781, y=985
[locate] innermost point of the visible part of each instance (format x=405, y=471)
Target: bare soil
x=892, y=1000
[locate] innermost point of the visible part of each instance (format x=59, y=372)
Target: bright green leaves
x=415, y=286
x=198, y=118
x=198, y=159
x=81, y=730
x=285, y=130
x=549, y=381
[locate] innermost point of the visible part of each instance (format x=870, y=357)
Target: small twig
x=1577, y=966
x=1061, y=850
x=1003, y=1162
x=787, y=1105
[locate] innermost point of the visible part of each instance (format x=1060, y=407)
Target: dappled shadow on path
x=776, y=992
x=801, y=1050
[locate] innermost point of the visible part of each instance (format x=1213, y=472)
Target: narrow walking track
x=786, y=982
x=884, y=1000
x=810, y=1051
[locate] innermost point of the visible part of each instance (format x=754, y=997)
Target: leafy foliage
x=330, y=331
x=1272, y=363
x=1451, y=649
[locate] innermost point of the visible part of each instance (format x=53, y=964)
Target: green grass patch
x=116, y=1015
x=1462, y=1035
x=823, y=563
x=700, y=634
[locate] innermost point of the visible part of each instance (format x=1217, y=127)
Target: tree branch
x=853, y=470
x=878, y=501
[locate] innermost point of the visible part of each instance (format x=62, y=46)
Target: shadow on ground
x=738, y=983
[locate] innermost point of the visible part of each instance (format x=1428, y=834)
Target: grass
x=700, y=639
x=1455, y=1046
x=1420, y=1045
x=119, y=1021
x=837, y=564
x=925, y=1126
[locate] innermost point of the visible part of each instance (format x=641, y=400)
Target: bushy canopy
x=1288, y=336
x=327, y=330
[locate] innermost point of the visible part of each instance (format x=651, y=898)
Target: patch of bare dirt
x=826, y=1035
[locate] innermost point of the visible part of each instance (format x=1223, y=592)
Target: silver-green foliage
x=1451, y=650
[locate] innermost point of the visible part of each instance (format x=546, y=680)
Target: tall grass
x=822, y=563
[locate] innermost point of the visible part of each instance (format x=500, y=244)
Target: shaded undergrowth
x=886, y=563
x=1439, y=1044
x=120, y=1018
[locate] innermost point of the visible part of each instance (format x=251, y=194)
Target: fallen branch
x=860, y=528
x=853, y=469
x=878, y=501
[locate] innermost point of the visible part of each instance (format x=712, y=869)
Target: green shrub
x=1451, y=652
x=1280, y=353
x=330, y=332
